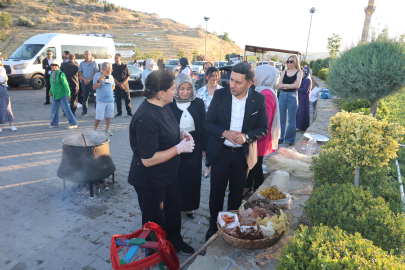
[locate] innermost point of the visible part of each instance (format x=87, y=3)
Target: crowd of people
x=177, y=127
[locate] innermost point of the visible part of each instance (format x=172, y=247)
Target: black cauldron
x=86, y=163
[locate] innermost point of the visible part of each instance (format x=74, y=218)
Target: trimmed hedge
x=355, y=210
x=323, y=73
x=326, y=62
x=311, y=64
x=327, y=248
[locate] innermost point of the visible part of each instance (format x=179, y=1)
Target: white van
x=24, y=66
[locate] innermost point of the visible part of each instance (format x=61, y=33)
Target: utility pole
x=369, y=10
x=206, y=29
x=220, y=52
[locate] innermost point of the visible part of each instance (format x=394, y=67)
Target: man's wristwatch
x=247, y=137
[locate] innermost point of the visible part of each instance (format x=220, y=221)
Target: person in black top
x=121, y=76
x=190, y=114
x=46, y=64
x=161, y=64
x=71, y=70
x=290, y=81
x=157, y=142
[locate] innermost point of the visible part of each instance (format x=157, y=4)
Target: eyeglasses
x=49, y=53
x=290, y=62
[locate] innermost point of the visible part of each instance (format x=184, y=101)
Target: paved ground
x=44, y=226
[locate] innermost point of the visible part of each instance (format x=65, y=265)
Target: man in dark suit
x=71, y=70
x=46, y=65
x=121, y=77
x=235, y=120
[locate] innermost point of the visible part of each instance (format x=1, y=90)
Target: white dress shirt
x=237, y=116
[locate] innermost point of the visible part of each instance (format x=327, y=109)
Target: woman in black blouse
x=157, y=142
x=190, y=114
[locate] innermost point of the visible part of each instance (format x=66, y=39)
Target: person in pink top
x=265, y=78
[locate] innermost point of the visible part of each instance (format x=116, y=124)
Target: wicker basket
x=250, y=244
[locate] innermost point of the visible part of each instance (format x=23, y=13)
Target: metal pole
x=206, y=29
x=220, y=52
x=305, y=57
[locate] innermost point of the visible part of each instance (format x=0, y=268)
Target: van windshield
x=27, y=51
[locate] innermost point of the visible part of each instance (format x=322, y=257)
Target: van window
x=26, y=51
x=97, y=52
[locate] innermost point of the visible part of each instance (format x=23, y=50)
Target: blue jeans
x=288, y=101
x=66, y=108
x=87, y=89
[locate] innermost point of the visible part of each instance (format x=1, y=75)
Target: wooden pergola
x=263, y=50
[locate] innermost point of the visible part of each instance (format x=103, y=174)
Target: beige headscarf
x=266, y=77
x=180, y=79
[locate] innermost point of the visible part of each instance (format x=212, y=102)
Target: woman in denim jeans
x=290, y=81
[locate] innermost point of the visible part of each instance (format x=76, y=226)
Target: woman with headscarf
x=185, y=67
x=6, y=114
x=148, y=70
x=304, y=97
x=265, y=78
x=190, y=114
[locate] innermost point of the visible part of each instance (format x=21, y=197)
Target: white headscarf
x=266, y=77
x=147, y=65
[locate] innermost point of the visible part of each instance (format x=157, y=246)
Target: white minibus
x=24, y=66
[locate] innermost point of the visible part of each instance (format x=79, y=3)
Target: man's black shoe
x=129, y=114
x=186, y=249
x=210, y=233
x=118, y=115
x=47, y=102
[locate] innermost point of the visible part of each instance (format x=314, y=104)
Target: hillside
x=84, y=17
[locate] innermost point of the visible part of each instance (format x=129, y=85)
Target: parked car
x=140, y=62
x=173, y=65
x=264, y=63
x=198, y=67
x=279, y=66
x=225, y=75
x=135, y=81
x=220, y=63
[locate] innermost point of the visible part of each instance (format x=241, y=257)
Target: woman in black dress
x=157, y=142
x=190, y=114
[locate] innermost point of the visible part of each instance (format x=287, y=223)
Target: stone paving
x=44, y=226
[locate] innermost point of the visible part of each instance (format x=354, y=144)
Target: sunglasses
x=290, y=62
x=53, y=65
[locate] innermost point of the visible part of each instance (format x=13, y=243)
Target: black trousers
x=48, y=87
x=255, y=177
x=163, y=206
x=227, y=165
x=73, y=100
x=119, y=93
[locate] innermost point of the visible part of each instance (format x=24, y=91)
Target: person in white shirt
x=235, y=120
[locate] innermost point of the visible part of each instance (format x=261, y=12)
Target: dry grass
x=71, y=19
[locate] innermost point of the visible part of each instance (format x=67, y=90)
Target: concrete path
x=44, y=226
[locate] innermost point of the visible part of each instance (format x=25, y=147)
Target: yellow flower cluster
x=365, y=141
x=281, y=223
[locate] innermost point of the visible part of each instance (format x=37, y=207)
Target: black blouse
x=153, y=128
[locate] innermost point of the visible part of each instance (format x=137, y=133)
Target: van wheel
x=37, y=82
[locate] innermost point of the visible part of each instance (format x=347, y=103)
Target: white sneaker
x=108, y=132
x=50, y=126
x=13, y=128
x=71, y=127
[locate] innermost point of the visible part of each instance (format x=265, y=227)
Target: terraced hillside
x=83, y=17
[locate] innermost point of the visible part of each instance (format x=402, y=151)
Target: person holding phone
x=104, y=84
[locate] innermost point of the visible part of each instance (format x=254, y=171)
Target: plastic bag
x=283, y=203
x=230, y=225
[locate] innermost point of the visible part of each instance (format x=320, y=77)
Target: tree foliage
x=180, y=53
x=275, y=57
x=5, y=19
x=369, y=71
x=334, y=44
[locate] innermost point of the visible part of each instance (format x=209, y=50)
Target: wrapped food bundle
x=272, y=193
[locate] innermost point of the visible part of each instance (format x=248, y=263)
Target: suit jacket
x=71, y=70
x=47, y=69
x=218, y=119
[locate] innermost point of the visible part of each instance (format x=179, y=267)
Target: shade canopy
x=257, y=49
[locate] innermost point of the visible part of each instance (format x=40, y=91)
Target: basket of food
x=275, y=196
x=257, y=224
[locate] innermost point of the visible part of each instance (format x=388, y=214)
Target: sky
x=281, y=24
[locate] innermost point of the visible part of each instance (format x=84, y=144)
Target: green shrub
x=10, y=1
x=355, y=210
x=358, y=104
x=86, y=11
x=327, y=248
x=22, y=21
x=73, y=1
x=5, y=19
x=2, y=37
x=50, y=9
x=311, y=64
x=316, y=68
x=41, y=20
x=323, y=73
x=330, y=167
x=326, y=62
x=318, y=61
x=3, y=5
x=365, y=106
